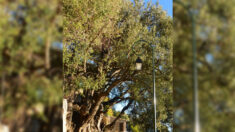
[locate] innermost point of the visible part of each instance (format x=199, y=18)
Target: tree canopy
x=99, y=61
x=215, y=49
x=31, y=65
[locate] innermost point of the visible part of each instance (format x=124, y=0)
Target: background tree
x=215, y=46
x=31, y=65
x=99, y=62
x=142, y=112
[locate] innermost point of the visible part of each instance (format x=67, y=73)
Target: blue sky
x=166, y=5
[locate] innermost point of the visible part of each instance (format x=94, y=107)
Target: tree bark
x=90, y=112
x=47, y=50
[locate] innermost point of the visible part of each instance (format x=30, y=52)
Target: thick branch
x=94, y=109
x=47, y=50
x=115, y=99
x=114, y=84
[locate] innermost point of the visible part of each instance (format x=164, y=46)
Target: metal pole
x=192, y=14
x=154, y=86
x=154, y=93
x=195, y=81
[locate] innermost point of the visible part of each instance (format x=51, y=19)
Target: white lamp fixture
x=138, y=64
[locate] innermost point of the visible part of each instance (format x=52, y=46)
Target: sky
x=166, y=5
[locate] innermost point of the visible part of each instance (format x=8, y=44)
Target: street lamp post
x=192, y=14
x=139, y=67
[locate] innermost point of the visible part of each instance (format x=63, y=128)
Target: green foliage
x=135, y=128
x=28, y=30
x=110, y=112
x=215, y=50
x=97, y=53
